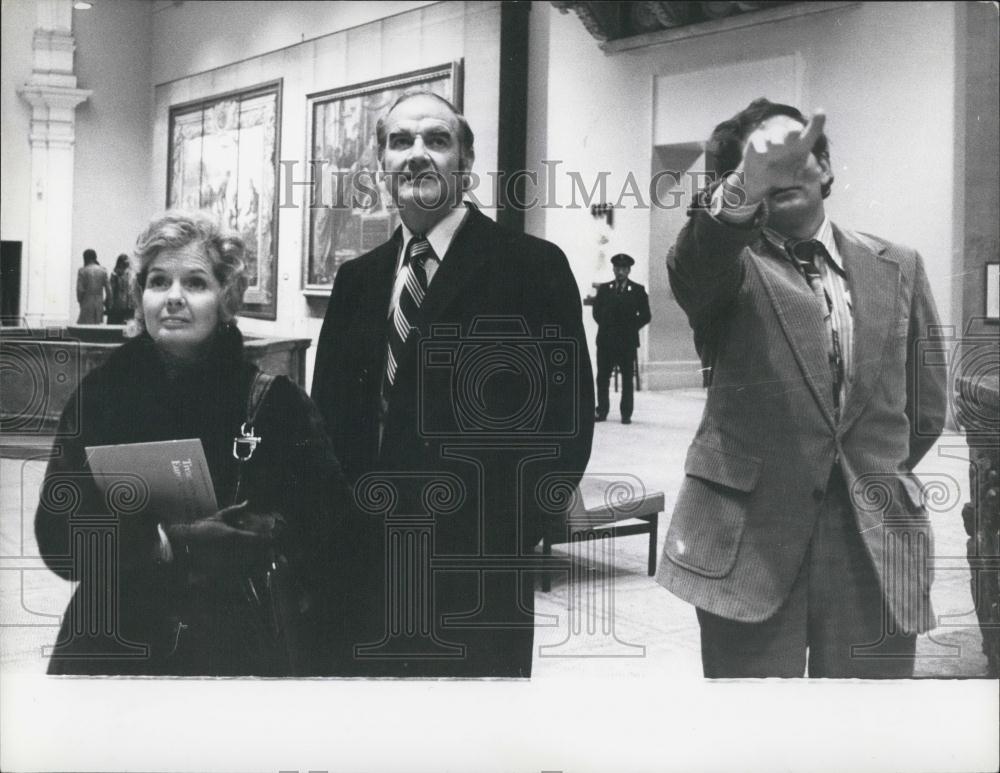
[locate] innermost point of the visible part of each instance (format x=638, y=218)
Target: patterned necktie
x=805, y=253
x=406, y=315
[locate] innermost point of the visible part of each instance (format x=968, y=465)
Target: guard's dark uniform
x=620, y=310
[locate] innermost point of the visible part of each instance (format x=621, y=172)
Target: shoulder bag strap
x=246, y=442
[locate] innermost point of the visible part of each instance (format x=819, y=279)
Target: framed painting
x=348, y=207
x=223, y=160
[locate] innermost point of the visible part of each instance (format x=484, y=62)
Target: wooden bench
x=599, y=508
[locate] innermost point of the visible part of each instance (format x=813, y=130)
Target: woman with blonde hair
x=241, y=592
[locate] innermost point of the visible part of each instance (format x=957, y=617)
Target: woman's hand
x=267, y=526
x=230, y=540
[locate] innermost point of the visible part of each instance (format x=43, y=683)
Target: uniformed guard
x=621, y=309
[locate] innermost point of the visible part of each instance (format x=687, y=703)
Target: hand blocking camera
x=503, y=382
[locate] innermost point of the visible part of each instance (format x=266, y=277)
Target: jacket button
x=818, y=494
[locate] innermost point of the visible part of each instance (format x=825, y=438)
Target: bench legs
x=653, y=522
x=649, y=527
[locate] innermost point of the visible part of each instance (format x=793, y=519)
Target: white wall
x=18, y=22
x=884, y=73
x=112, y=192
x=113, y=142
x=193, y=37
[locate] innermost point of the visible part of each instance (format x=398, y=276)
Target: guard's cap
x=621, y=259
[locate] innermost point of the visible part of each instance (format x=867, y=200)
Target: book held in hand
x=169, y=479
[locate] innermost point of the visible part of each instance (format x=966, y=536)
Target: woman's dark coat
x=124, y=616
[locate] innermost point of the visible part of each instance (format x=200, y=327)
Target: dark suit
x=770, y=457
x=461, y=412
x=619, y=314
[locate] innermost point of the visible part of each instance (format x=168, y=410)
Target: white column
x=48, y=291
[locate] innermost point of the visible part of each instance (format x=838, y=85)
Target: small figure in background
x=92, y=290
x=121, y=304
x=621, y=309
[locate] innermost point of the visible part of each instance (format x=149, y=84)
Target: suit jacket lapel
x=873, y=279
x=468, y=251
x=801, y=320
x=377, y=294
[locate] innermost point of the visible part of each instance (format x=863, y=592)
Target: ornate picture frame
x=223, y=159
x=348, y=211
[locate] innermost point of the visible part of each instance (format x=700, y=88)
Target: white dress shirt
x=440, y=238
x=832, y=273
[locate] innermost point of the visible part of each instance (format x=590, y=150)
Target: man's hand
x=777, y=154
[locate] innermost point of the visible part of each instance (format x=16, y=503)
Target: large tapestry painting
x=350, y=211
x=223, y=161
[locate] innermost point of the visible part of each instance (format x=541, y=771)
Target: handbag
x=277, y=600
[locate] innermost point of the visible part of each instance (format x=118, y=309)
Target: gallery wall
x=194, y=37
x=884, y=72
x=977, y=202
x=409, y=41
x=110, y=183
x=111, y=188
x=15, y=153
x=123, y=49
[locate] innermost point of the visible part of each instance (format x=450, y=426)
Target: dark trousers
x=607, y=358
x=835, y=620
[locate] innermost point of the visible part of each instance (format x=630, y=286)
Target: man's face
x=621, y=272
x=792, y=207
x=422, y=159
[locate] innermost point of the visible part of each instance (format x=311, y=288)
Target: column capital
x=49, y=97
x=53, y=116
x=51, y=89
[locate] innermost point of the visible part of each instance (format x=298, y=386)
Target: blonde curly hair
x=224, y=250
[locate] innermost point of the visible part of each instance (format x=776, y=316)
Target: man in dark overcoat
x=455, y=381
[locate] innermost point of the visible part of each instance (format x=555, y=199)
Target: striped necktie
x=406, y=315
x=804, y=254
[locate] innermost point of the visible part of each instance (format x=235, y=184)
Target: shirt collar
x=442, y=234
x=824, y=235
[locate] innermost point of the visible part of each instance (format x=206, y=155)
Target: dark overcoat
x=123, y=616
x=489, y=420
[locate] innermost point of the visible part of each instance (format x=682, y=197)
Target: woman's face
x=182, y=301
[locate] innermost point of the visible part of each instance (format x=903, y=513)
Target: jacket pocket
x=710, y=515
x=722, y=467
